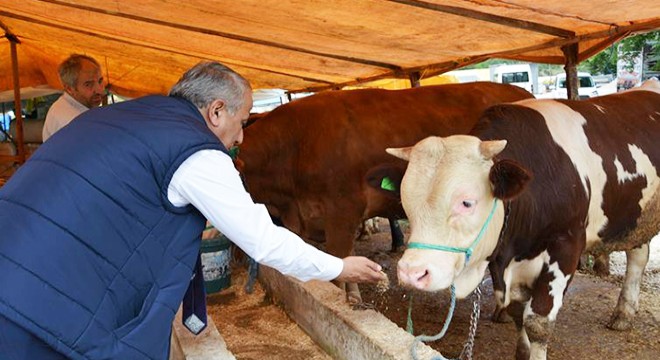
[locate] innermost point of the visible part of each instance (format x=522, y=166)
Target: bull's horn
x=401, y=153
x=491, y=148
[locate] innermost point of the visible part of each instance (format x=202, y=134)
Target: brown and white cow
x=310, y=160
x=562, y=176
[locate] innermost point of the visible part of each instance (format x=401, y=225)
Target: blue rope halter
x=468, y=250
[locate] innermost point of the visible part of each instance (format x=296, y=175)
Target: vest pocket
x=144, y=310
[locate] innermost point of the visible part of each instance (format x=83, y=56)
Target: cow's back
x=595, y=166
x=308, y=158
x=623, y=132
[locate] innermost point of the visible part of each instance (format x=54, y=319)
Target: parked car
x=515, y=74
x=603, y=79
x=587, y=87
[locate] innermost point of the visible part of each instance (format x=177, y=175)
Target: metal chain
x=466, y=354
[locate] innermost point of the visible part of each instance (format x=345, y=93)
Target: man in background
x=83, y=89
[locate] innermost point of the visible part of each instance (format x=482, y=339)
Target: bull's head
x=451, y=194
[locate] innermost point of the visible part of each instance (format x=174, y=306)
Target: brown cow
x=573, y=175
x=309, y=160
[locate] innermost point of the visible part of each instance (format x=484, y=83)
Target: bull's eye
x=468, y=203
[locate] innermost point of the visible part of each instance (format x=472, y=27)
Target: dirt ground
x=255, y=328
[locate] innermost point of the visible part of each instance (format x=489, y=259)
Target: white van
x=586, y=89
x=516, y=74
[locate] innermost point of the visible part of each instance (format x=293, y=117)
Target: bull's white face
x=447, y=197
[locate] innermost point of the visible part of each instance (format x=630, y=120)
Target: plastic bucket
x=216, y=255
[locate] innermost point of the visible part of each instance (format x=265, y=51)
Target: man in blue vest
x=101, y=227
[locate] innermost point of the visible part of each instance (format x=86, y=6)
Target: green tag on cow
x=387, y=184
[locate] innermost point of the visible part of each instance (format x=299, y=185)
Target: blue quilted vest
x=94, y=259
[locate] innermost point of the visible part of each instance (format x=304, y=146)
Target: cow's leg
x=538, y=329
x=340, y=237
x=367, y=228
x=515, y=312
x=547, y=298
x=500, y=314
x=626, y=308
x=397, y=234
x=602, y=265
x=598, y=264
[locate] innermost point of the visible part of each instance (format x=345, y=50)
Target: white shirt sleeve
x=63, y=110
x=209, y=181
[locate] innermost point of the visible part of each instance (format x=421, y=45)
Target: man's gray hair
x=69, y=69
x=209, y=81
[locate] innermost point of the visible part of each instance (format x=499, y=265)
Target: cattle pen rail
x=325, y=325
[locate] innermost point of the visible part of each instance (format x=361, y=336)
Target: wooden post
x=414, y=79
x=571, y=55
x=20, y=145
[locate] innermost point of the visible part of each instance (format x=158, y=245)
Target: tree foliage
x=605, y=61
x=628, y=49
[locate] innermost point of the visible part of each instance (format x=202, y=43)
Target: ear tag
x=387, y=184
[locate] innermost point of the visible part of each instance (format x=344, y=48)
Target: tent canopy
x=303, y=45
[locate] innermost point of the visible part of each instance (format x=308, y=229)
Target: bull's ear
x=491, y=148
x=509, y=179
x=401, y=153
x=386, y=178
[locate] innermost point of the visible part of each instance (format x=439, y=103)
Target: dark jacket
x=94, y=259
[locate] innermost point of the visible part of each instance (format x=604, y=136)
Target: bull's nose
x=415, y=276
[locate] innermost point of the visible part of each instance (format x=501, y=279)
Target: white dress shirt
x=209, y=181
x=63, y=110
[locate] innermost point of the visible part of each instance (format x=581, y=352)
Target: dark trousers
x=18, y=344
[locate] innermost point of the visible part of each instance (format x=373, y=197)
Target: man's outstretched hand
x=359, y=269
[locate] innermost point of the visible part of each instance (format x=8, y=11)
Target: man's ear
x=68, y=89
x=215, y=112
